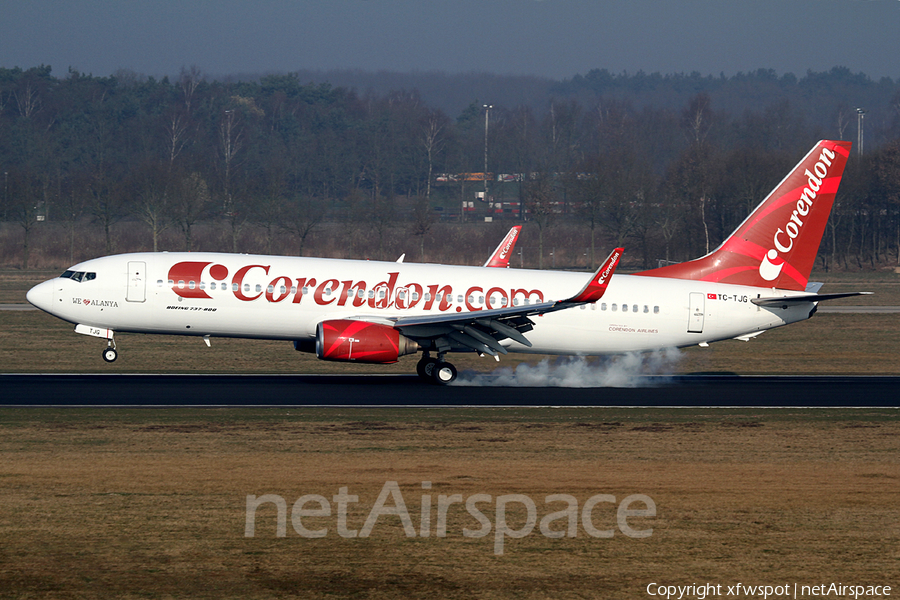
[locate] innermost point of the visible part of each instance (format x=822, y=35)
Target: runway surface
x=406, y=390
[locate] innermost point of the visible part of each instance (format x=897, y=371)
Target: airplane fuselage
x=285, y=298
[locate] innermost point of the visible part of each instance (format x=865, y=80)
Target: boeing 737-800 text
x=367, y=311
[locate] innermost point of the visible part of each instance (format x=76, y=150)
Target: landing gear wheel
x=443, y=373
x=425, y=367
x=110, y=355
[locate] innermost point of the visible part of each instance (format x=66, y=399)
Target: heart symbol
x=86, y=302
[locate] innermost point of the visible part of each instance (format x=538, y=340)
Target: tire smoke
x=621, y=371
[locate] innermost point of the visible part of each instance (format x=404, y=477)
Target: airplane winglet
x=596, y=287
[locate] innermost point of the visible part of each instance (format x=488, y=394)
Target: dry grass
x=151, y=503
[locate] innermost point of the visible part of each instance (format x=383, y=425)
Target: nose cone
x=41, y=296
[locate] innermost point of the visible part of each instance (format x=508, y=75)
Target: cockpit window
x=79, y=276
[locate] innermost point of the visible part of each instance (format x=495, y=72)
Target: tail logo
x=513, y=233
x=783, y=240
x=769, y=270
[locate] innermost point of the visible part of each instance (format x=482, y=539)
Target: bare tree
x=697, y=118
x=423, y=219
x=25, y=195
x=538, y=200
x=433, y=142
x=71, y=207
x=152, y=184
x=189, y=80
x=231, y=141
x=28, y=100
x=176, y=135
x=301, y=216
x=190, y=197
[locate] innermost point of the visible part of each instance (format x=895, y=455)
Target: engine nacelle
x=361, y=341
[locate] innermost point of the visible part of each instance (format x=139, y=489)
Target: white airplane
x=375, y=312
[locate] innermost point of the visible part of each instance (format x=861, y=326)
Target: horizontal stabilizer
x=790, y=300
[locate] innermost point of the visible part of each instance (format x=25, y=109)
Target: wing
x=483, y=330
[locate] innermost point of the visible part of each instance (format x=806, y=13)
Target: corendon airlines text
x=185, y=278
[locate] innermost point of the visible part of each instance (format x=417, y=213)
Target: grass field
x=152, y=503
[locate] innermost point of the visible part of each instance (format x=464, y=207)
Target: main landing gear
x=110, y=354
x=435, y=370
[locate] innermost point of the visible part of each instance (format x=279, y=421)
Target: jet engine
x=361, y=341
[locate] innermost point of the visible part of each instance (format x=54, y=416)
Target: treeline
x=278, y=165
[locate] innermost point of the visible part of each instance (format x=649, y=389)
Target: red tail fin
x=777, y=244
x=500, y=256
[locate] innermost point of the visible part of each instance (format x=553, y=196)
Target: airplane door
x=696, y=311
x=137, y=282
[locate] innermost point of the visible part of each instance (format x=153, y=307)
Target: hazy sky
x=554, y=38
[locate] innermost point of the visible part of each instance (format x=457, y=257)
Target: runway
x=407, y=390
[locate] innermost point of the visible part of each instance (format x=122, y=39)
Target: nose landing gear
x=109, y=353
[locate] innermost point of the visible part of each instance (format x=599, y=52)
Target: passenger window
x=202, y=285
x=361, y=293
x=181, y=284
x=258, y=288
x=171, y=283
x=427, y=296
x=603, y=306
x=459, y=299
x=614, y=308
x=655, y=310
x=235, y=287
x=646, y=308
x=634, y=308
x=624, y=307
x=415, y=296
x=371, y=293
x=282, y=290
x=305, y=289
x=159, y=283
x=270, y=289
x=246, y=287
